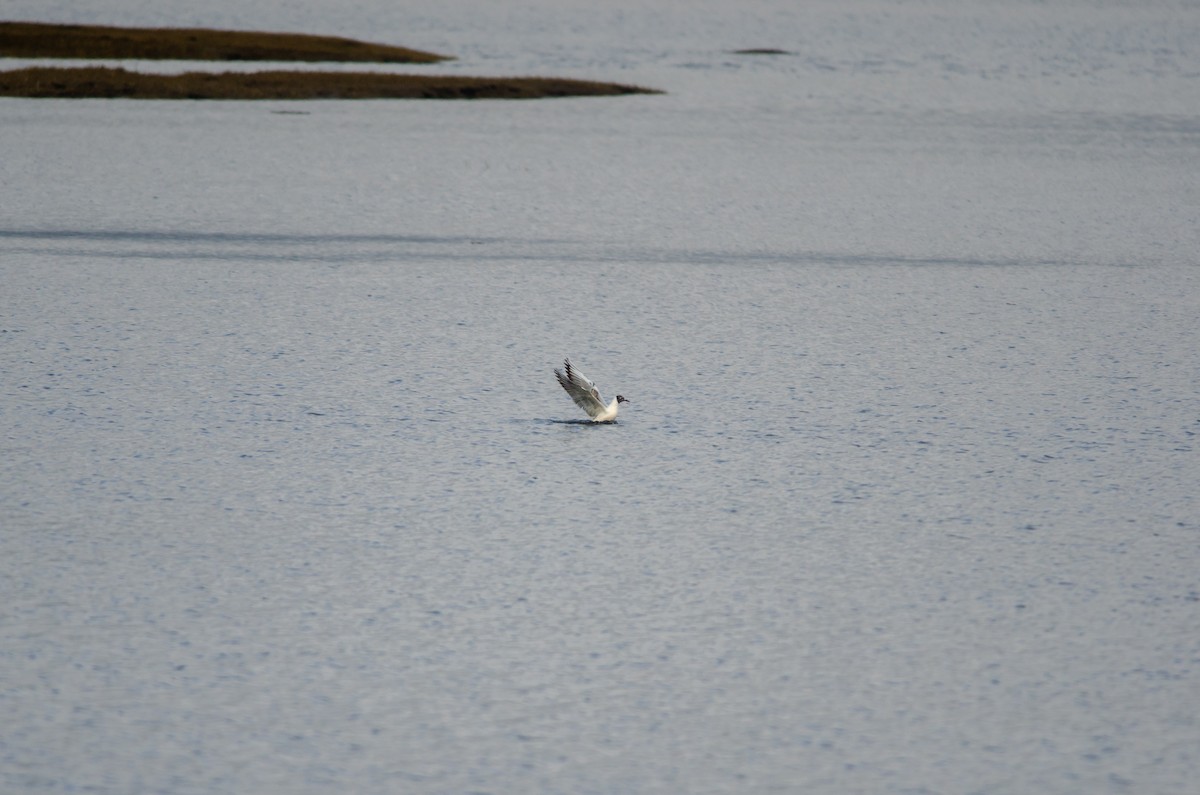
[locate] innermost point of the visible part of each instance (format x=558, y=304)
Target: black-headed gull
x=586, y=396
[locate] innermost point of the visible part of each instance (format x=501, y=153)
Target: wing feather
x=580, y=388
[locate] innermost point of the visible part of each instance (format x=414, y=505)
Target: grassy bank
x=37, y=40
x=115, y=83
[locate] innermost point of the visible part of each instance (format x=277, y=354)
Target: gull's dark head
x=622, y=399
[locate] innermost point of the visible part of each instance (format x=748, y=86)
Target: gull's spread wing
x=580, y=388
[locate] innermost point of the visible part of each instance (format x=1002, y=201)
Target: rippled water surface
x=904, y=500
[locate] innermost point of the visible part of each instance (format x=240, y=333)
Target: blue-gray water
x=290, y=501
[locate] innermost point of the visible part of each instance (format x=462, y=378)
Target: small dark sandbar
x=100, y=82
x=37, y=40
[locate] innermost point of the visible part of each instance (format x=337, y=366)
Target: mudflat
x=100, y=82
x=37, y=40
x=42, y=40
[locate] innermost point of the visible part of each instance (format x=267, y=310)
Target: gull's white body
x=586, y=396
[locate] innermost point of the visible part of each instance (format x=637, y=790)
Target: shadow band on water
x=176, y=245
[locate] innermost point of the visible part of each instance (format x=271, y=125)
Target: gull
x=586, y=396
